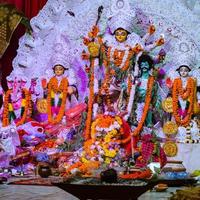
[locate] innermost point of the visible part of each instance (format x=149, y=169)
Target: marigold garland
x=129, y=87
x=25, y=104
x=145, y=110
x=121, y=58
x=104, y=121
x=185, y=94
x=90, y=101
x=101, y=148
x=55, y=88
x=145, y=174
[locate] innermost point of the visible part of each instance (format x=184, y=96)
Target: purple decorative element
x=34, y=133
x=4, y=176
x=42, y=117
x=42, y=157
x=161, y=75
x=81, y=77
x=161, y=72
x=108, y=31
x=162, y=52
x=160, y=57
x=4, y=160
x=70, y=135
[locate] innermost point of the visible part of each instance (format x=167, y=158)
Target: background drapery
x=30, y=8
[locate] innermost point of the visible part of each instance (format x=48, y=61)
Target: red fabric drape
x=30, y=8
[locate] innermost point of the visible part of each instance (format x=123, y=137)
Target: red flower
x=86, y=41
x=169, y=83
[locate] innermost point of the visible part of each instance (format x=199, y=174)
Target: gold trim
x=170, y=148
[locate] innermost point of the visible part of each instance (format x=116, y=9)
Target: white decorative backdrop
x=61, y=24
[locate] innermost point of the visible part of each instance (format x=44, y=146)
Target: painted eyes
x=120, y=33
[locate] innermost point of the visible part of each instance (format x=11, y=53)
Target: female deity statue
x=184, y=96
x=185, y=102
x=115, y=51
x=17, y=105
x=58, y=94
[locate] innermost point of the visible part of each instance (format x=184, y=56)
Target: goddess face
x=184, y=71
x=59, y=70
x=121, y=35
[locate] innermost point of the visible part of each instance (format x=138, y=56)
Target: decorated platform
x=105, y=91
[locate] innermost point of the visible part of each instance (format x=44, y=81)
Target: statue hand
x=137, y=48
x=151, y=29
x=94, y=32
x=160, y=41
x=71, y=90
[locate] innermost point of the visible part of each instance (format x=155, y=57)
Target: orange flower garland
x=129, y=88
x=145, y=174
x=62, y=88
x=28, y=108
x=145, y=110
x=90, y=101
x=185, y=94
x=118, y=56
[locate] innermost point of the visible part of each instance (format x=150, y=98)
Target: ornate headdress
x=59, y=60
x=121, y=15
x=121, y=20
x=61, y=57
x=182, y=60
x=186, y=60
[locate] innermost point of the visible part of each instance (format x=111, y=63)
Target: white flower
x=100, y=159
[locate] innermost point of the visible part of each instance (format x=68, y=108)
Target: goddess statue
x=17, y=105
x=184, y=95
x=185, y=101
x=116, y=51
x=58, y=91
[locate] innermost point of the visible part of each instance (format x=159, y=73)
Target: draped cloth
x=9, y=20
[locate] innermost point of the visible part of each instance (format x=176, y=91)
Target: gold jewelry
x=167, y=105
x=170, y=148
x=170, y=128
x=42, y=106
